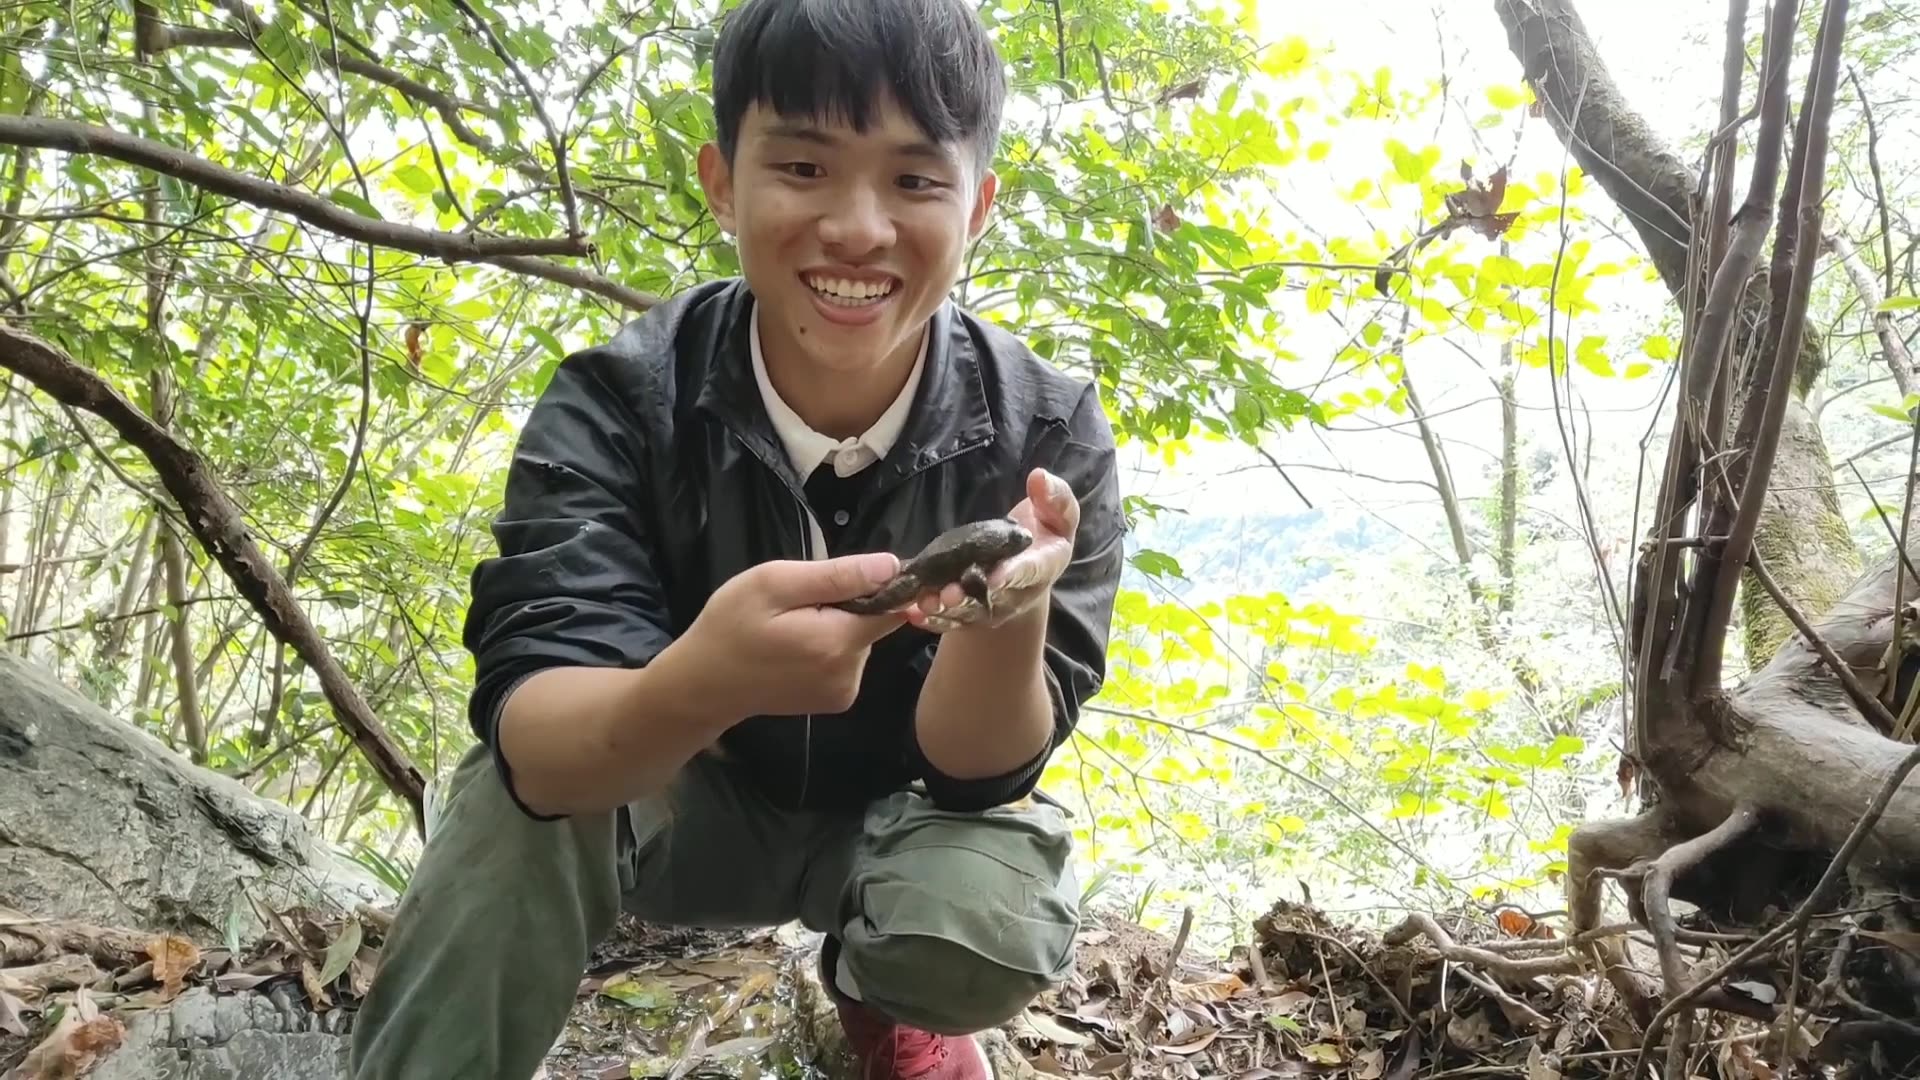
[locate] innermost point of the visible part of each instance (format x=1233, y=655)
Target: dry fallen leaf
x=715, y=969
x=360, y=971
x=1514, y=922
x=316, y=992
x=1047, y=1063
x=1369, y=1064
x=1538, y=1067
x=1046, y=1029
x=1473, y=1031
x=77, y=1040
x=174, y=958
x=10, y=1009
x=1293, y=1001
x=1219, y=988
x=1193, y=1047
x=1737, y=1060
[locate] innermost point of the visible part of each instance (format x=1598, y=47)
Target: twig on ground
x=1416, y=924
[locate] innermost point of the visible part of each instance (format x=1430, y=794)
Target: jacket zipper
x=806, y=550
x=806, y=747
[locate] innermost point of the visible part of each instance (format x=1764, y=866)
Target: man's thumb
x=826, y=581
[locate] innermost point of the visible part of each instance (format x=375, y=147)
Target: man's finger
x=801, y=583
x=1054, y=502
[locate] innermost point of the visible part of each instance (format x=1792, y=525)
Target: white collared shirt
x=807, y=449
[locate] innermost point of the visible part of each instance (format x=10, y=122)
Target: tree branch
x=222, y=531
x=80, y=138
x=1643, y=177
x=1893, y=348
x=509, y=253
x=1796, y=245
x=559, y=145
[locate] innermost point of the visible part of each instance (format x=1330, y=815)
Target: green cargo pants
x=947, y=921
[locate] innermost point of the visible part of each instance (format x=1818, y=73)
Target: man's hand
x=1051, y=512
x=764, y=644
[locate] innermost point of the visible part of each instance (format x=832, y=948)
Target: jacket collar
x=946, y=414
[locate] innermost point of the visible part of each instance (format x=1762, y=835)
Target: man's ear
x=983, y=204
x=716, y=177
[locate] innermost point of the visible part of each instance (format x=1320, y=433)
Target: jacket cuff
x=974, y=794
x=491, y=736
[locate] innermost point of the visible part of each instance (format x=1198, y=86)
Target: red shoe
x=889, y=1050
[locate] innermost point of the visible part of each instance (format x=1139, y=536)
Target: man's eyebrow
x=925, y=149
x=922, y=148
x=803, y=132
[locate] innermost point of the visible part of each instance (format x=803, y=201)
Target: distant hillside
x=1253, y=551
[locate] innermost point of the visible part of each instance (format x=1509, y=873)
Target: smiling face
x=850, y=240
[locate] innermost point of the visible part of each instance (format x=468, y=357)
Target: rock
x=100, y=822
x=246, y=1036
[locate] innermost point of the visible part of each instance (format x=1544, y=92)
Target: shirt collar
x=807, y=448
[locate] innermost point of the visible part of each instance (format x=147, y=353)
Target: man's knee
x=941, y=985
x=959, y=920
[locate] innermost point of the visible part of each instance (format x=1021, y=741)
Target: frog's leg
x=973, y=582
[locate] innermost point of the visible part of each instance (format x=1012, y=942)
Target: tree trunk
x=1802, y=534
x=1759, y=794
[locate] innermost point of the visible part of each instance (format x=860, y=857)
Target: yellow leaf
x=1507, y=97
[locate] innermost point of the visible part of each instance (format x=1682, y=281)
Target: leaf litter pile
x=1462, y=996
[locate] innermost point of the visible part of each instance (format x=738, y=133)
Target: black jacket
x=648, y=473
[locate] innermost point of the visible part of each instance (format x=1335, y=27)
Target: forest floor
x=1314, y=999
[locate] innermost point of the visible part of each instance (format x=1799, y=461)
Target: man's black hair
x=830, y=60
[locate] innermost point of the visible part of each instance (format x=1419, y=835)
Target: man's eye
x=803, y=169
x=918, y=183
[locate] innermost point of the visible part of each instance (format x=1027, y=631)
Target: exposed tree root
x=26, y=940
x=1655, y=897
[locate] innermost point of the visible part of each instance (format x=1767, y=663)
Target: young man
x=672, y=718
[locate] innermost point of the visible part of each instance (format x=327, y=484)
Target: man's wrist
x=985, y=708
x=682, y=684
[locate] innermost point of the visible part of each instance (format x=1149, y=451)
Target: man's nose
x=857, y=222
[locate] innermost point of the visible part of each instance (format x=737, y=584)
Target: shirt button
x=841, y=517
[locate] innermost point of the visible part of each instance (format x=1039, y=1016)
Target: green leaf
x=354, y=201
x=1898, y=303
x=1156, y=564
x=547, y=341
x=417, y=179
x=341, y=951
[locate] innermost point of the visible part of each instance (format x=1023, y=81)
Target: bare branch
x=1766, y=404
x=222, y=531
x=510, y=253
x=80, y=138
x=1893, y=348
x=1879, y=182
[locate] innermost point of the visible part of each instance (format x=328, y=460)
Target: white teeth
x=850, y=293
